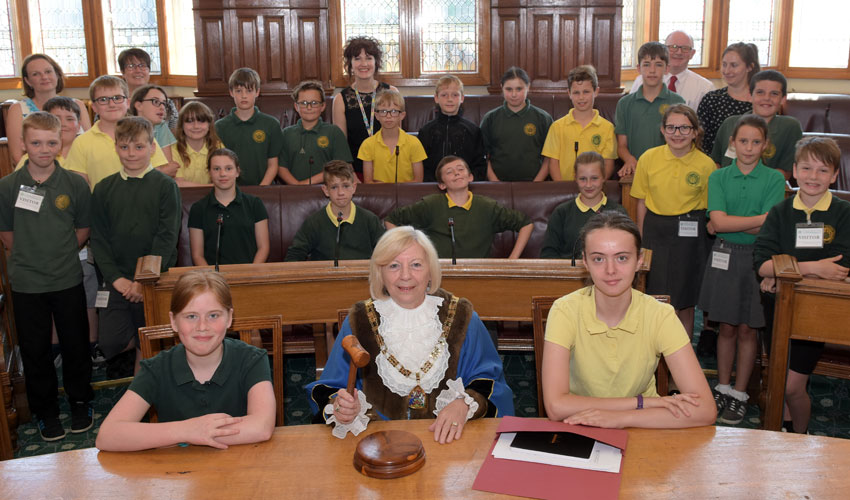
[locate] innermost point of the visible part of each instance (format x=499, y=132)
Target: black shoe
x=707, y=345
x=121, y=365
x=97, y=356
x=51, y=429
x=81, y=417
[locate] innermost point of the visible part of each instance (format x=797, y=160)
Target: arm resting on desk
x=690, y=409
x=122, y=430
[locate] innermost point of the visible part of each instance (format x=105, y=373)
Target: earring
x=428, y=287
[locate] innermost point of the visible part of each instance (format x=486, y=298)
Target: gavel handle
x=352, y=376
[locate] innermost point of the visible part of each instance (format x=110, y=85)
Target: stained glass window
x=131, y=23
x=629, y=49
x=685, y=15
x=819, y=35
x=377, y=19
x=449, y=36
x=752, y=21
x=57, y=29
x=8, y=62
x=181, y=37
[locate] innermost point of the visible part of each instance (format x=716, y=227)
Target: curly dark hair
x=363, y=43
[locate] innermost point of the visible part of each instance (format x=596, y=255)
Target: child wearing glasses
x=671, y=185
x=196, y=138
x=311, y=142
x=149, y=102
x=391, y=155
x=93, y=154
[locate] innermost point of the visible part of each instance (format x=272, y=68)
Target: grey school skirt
x=732, y=296
x=678, y=263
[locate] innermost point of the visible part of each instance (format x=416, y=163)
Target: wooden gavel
x=359, y=358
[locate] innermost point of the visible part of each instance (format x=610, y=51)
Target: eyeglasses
x=682, y=48
x=156, y=102
x=683, y=129
x=388, y=112
x=136, y=66
x=308, y=104
x=117, y=99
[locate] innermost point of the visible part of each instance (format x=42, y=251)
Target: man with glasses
x=679, y=78
x=311, y=143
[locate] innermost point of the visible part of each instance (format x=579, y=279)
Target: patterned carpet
x=830, y=398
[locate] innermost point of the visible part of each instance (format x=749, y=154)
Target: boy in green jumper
x=475, y=219
x=769, y=89
x=44, y=219
x=311, y=142
x=254, y=136
x=316, y=239
x=814, y=227
x=638, y=115
x=135, y=212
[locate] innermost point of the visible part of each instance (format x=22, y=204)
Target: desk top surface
x=306, y=461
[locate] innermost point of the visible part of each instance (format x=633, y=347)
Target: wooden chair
x=540, y=307
x=153, y=339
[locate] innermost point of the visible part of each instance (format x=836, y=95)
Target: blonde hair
x=133, y=127
x=108, y=82
x=447, y=80
x=390, y=96
x=41, y=120
x=194, y=283
x=392, y=243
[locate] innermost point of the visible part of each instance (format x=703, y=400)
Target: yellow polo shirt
x=597, y=136
x=821, y=206
x=670, y=185
x=466, y=206
x=614, y=362
x=383, y=160
x=584, y=208
x=93, y=153
x=332, y=216
x=196, y=169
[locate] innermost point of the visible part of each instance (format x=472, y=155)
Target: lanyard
x=369, y=124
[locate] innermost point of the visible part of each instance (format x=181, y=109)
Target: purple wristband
x=640, y=402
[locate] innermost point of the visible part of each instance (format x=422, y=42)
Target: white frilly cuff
x=455, y=391
x=356, y=426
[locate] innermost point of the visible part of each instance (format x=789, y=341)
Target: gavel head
x=358, y=355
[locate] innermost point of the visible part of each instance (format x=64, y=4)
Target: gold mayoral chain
x=416, y=397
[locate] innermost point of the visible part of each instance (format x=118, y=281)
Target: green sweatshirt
x=316, y=238
x=564, y=225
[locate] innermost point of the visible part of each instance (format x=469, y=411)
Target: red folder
x=529, y=479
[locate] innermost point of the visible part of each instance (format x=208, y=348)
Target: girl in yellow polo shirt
x=671, y=185
x=196, y=138
x=603, y=343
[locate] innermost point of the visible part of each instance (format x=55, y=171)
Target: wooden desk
x=807, y=309
x=307, y=462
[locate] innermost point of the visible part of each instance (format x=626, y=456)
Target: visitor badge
x=84, y=254
x=720, y=258
x=809, y=235
x=102, y=299
x=730, y=152
x=688, y=228
x=29, y=199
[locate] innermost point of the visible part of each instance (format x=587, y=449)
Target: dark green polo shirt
x=564, y=226
x=254, y=140
x=741, y=195
x=514, y=141
x=305, y=152
x=640, y=120
x=238, y=243
x=316, y=239
x=783, y=132
x=167, y=383
x=45, y=252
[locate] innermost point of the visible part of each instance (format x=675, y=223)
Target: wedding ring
x=336, y=407
x=454, y=424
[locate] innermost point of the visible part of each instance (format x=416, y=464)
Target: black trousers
x=35, y=314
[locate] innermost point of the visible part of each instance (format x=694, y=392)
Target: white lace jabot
x=411, y=335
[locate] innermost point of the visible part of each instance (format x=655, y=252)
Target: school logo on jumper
x=323, y=141
x=692, y=178
x=596, y=139
x=828, y=233
x=529, y=129
x=663, y=109
x=259, y=136
x=769, y=151
x=62, y=202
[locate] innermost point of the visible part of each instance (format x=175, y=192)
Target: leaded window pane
x=687, y=16
x=751, y=21
x=57, y=29
x=629, y=50
x=128, y=24
x=8, y=61
x=819, y=35
x=377, y=19
x=449, y=36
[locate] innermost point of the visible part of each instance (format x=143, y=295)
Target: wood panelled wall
x=288, y=41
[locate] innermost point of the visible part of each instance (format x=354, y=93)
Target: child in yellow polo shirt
x=391, y=155
x=196, y=139
x=671, y=185
x=581, y=130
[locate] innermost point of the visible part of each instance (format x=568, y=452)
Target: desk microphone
x=338, y=230
x=573, y=260
x=219, y=220
x=396, y=163
x=452, y=230
x=310, y=172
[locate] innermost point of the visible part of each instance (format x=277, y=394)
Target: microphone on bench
x=219, y=220
x=573, y=260
x=452, y=230
x=396, y=163
x=336, y=247
x=310, y=172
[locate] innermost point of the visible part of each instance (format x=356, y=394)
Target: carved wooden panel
x=212, y=41
x=246, y=31
x=311, y=55
x=602, y=45
x=554, y=42
x=506, y=43
x=276, y=50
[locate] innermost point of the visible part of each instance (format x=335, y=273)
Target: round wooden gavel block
x=389, y=454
